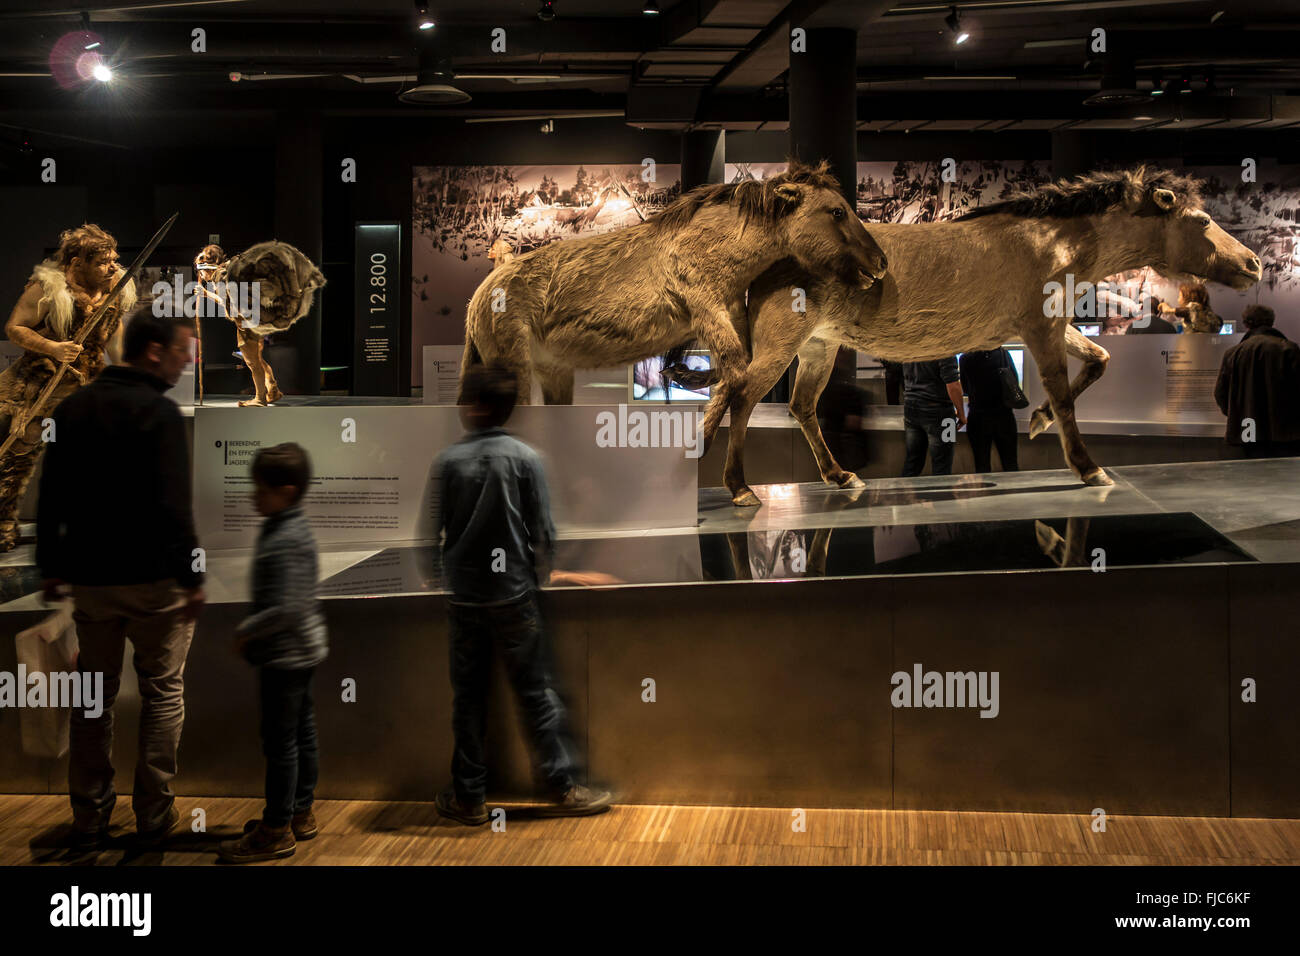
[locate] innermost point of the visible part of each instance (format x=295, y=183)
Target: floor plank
x=33, y=829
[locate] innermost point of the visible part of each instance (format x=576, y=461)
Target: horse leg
x=715, y=325
x=557, y=384
x=764, y=372
x=1048, y=348
x=1095, y=359
x=816, y=362
x=508, y=347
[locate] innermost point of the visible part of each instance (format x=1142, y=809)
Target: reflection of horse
x=977, y=282
x=617, y=297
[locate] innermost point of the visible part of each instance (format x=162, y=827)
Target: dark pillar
x=295, y=354
x=703, y=157
x=1071, y=153
x=824, y=125
x=824, y=104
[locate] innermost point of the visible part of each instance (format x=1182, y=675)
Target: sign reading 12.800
x=377, y=353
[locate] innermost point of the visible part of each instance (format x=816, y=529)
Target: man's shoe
x=578, y=801
x=261, y=843
x=449, y=806
x=160, y=832
x=303, y=826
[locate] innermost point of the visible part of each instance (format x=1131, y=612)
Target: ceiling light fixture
x=650, y=8
x=423, y=21
x=959, y=35
x=546, y=12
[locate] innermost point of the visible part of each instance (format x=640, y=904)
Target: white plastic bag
x=47, y=647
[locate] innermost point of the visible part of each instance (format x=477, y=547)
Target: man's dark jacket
x=115, y=486
x=1260, y=379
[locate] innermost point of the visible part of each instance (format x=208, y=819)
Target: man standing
x=1259, y=389
x=62, y=294
x=931, y=394
x=114, y=522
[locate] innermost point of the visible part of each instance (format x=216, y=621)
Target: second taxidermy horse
x=974, y=283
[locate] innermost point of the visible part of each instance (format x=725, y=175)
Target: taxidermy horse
x=976, y=282
x=626, y=295
x=286, y=283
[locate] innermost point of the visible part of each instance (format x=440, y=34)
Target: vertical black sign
x=377, y=355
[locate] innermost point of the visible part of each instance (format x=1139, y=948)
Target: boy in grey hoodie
x=285, y=638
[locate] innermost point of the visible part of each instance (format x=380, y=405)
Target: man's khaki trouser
x=150, y=615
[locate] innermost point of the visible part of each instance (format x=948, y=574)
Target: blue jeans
x=289, y=743
x=924, y=431
x=516, y=629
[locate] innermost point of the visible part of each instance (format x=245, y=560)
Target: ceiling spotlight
x=650, y=8
x=1185, y=85
x=959, y=35
x=1157, y=87
x=546, y=12
x=101, y=72
x=423, y=20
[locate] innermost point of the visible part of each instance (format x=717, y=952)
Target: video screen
x=1017, y=354
x=649, y=385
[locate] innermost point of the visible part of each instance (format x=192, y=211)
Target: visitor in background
x=1259, y=389
x=841, y=410
x=114, y=522
x=285, y=639
x=494, y=509
x=931, y=395
x=1194, y=310
x=990, y=420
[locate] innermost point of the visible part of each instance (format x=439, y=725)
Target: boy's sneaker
x=258, y=844
x=578, y=801
x=89, y=839
x=449, y=806
x=160, y=832
x=303, y=825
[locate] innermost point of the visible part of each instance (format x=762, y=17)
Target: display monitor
x=1017, y=353
x=1091, y=329
x=646, y=384
x=1226, y=329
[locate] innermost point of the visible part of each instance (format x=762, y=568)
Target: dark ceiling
x=701, y=64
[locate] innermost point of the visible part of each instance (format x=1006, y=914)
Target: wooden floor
x=33, y=830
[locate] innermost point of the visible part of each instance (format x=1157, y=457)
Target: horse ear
x=1164, y=198
x=789, y=192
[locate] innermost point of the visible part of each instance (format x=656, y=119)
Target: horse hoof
x=746, y=499
x=252, y=403
x=1097, y=478
x=846, y=481
x=1038, y=423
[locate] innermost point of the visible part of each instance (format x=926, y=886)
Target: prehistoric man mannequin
x=265, y=389
x=63, y=293
x=286, y=280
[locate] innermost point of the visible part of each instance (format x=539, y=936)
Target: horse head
x=1196, y=246
x=822, y=231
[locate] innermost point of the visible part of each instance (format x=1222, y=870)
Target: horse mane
x=1097, y=192
x=753, y=198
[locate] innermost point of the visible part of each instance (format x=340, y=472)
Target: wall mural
x=466, y=216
